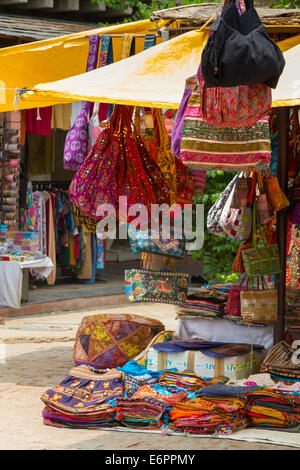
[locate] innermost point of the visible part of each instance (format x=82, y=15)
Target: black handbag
x=239, y=51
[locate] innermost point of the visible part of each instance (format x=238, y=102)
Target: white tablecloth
x=11, y=277
x=220, y=329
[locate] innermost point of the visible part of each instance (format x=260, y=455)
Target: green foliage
x=142, y=10
x=217, y=253
x=285, y=4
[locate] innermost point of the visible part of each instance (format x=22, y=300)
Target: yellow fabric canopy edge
x=58, y=58
x=64, y=98
x=42, y=97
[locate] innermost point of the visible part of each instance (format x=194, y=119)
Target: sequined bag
x=205, y=146
x=259, y=306
x=118, y=165
x=236, y=106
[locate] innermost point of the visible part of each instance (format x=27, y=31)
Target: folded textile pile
x=133, y=368
x=186, y=380
x=83, y=398
x=169, y=398
x=273, y=409
x=208, y=301
x=292, y=314
x=282, y=361
x=133, y=383
x=208, y=416
x=141, y=413
x=226, y=391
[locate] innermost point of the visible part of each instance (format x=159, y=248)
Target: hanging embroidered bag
x=206, y=147
x=144, y=285
x=230, y=106
x=96, y=181
x=143, y=183
x=118, y=165
x=143, y=241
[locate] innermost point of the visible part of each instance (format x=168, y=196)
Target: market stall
x=36, y=214
x=230, y=365
x=179, y=58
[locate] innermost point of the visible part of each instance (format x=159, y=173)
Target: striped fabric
x=209, y=147
x=272, y=409
x=281, y=359
x=205, y=146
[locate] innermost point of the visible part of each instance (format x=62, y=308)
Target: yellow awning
x=287, y=92
x=156, y=77
x=46, y=61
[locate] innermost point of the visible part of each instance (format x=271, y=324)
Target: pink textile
x=231, y=106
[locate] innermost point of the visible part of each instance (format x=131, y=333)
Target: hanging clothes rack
x=121, y=35
x=47, y=185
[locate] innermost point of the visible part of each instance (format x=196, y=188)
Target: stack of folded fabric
x=292, y=314
x=282, y=361
x=84, y=399
x=271, y=408
x=208, y=301
x=185, y=380
x=209, y=416
x=132, y=383
x=161, y=394
x=141, y=413
x=226, y=391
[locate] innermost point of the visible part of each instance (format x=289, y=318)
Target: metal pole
x=3, y=168
x=281, y=221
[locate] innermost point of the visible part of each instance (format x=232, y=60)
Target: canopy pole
x=3, y=168
x=281, y=221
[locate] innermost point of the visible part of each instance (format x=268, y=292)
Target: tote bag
x=236, y=106
x=205, y=146
x=145, y=285
x=214, y=213
x=239, y=51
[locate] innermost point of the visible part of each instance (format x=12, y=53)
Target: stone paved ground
x=39, y=355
